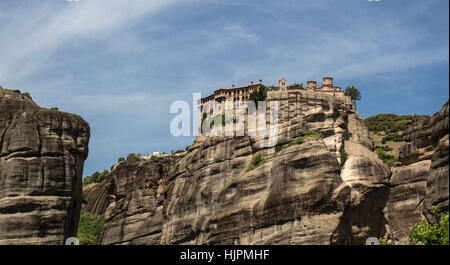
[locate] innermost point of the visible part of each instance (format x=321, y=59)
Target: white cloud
x=28, y=48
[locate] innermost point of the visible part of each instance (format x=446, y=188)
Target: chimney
x=251, y=82
x=260, y=81
x=311, y=85
x=327, y=81
x=232, y=86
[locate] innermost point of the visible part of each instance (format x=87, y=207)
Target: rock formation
x=42, y=153
x=301, y=194
x=422, y=180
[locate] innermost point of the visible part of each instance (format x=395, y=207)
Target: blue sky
x=121, y=63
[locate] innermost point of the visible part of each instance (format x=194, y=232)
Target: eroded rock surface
x=421, y=182
x=300, y=194
x=42, y=153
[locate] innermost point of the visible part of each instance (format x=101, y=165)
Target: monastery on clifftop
x=215, y=102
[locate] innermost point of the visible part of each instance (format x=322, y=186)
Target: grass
x=15, y=91
x=344, y=157
x=310, y=135
x=256, y=162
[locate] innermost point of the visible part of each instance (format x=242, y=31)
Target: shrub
x=353, y=93
x=54, y=108
x=388, y=123
x=155, y=190
x=89, y=227
x=395, y=137
x=295, y=86
x=387, y=158
x=313, y=135
x=155, y=158
x=310, y=135
x=256, y=162
x=432, y=234
x=259, y=95
x=344, y=157
x=121, y=159
x=384, y=148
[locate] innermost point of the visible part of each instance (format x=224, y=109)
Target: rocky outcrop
x=300, y=194
x=128, y=198
x=422, y=180
x=42, y=153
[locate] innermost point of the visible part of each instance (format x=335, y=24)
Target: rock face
x=422, y=181
x=128, y=198
x=42, y=153
x=300, y=194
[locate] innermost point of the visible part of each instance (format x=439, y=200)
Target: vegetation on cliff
x=259, y=94
x=89, y=227
x=387, y=158
x=10, y=91
x=432, y=234
x=353, y=93
x=310, y=135
x=389, y=123
x=96, y=177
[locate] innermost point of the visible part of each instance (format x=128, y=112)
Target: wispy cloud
x=59, y=24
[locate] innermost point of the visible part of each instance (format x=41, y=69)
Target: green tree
x=259, y=95
x=353, y=93
x=89, y=227
x=432, y=234
x=296, y=86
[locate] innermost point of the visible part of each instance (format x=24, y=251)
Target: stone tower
x=282, y=83
x=311, y=85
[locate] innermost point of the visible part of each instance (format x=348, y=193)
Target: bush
x=387, y=158
x=96, y=177
x=310, y=135
x=256, y=162
x=26, y=94
x=395, y=137
x=89, y=227
x=121, y=159
x=353, y=93
x=432, y=234
x=296, y=86
x=344, y=157
x=155, y=190
x=389, y=123
x=259, y=95
x=54, y=108
x=384, y=148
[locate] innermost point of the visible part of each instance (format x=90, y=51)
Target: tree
x=432, y=234
x=353, y=93
x=259, y=94
x=296, y=86
x=89, y=227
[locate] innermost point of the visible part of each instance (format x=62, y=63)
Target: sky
x=121, y=63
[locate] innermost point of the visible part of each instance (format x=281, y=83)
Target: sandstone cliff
x=42, y=153
x=300, y=194
x=422, y=180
